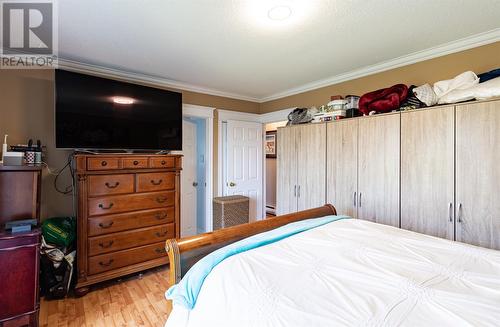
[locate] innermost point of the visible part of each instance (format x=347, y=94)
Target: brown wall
x=479, y=60
x=27, y=111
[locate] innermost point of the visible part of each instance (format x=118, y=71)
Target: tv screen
x=99, y=113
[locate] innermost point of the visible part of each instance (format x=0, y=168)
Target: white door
x=188, y=179
x=244, y=163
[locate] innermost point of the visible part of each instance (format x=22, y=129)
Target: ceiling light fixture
x=123, y=100
x=279, y=13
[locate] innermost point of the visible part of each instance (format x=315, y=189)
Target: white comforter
x=351, y=273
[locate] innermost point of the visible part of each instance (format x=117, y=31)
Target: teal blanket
x=186, y=292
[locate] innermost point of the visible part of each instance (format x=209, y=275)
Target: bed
x=342, y=272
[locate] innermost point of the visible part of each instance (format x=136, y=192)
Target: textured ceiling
x=233, y=47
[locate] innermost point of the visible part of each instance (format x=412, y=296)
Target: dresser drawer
x=125, y=221
x=155, y=182
x=130, y=202
x=111, y=184
x=162, y=162
x=103, y=163
x=110, y=261
x=136, y=162
x=129, y=239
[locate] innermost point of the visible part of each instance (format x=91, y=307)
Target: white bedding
x=351, y=273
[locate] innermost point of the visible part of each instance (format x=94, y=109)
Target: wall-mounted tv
x=102, y=114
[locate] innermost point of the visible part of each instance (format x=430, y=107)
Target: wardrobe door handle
x=460, y=213
x=106, y=226
x=295, y=191
x=106, y=208
x=354, y=199
x=450, y=212
x=106, y=264
x=106, y=245
x=156, y=182
x=112, y=186
x=360, y=194
x=298, y=191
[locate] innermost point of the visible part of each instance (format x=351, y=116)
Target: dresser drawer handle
x=135, y=162
x=160, y=250
x=156, y=182
x=112, y=186
x=162, y=234
x=163, y=162
x=104, y=163
x=106, y=264
x=106, y=226
x=161, y=199
x=161, y=216
x=106, y=245
x=106, y=208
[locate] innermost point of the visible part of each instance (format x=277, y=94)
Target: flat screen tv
x=102, y=114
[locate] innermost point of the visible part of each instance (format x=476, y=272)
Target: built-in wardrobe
x=435, y=171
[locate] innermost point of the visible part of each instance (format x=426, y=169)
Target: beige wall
x=479, y=60
x=27, y=111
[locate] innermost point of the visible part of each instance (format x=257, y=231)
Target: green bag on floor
x=59, y=230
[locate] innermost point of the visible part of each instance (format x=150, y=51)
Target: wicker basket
x=230, y=211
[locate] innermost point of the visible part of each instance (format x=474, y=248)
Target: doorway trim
x=207, y=113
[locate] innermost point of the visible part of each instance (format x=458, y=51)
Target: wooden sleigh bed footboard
x=185, y=252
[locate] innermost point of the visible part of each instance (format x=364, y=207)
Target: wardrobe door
x=342, y=166
x=286, y=174
x=427, y=171
x=478, y=174
x=311, y=170
x=378, y=169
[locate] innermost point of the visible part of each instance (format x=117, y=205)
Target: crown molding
x=102, y=71
x=466, y=43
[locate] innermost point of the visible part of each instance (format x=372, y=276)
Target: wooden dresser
x=128, y=205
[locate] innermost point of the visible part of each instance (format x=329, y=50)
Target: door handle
x=106, y=208
x=232, y=184
x=195, y=184
x=460, y=213
x=160, y=216
x=295, y=190
x=161, y=199
x=106, y=226
x=360, y=194
x=450, y=212
x=298, y=191
x=112, y=186
x=106, y=264
x=106, y=245
x=354, y=199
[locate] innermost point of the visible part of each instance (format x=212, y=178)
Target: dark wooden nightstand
x=19, y=252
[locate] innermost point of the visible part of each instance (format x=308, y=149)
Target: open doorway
x=196, y=176
x=271, y=146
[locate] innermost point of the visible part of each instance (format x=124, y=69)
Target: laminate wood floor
x=137, y=300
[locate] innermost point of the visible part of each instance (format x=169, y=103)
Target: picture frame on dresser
x=128, y=206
